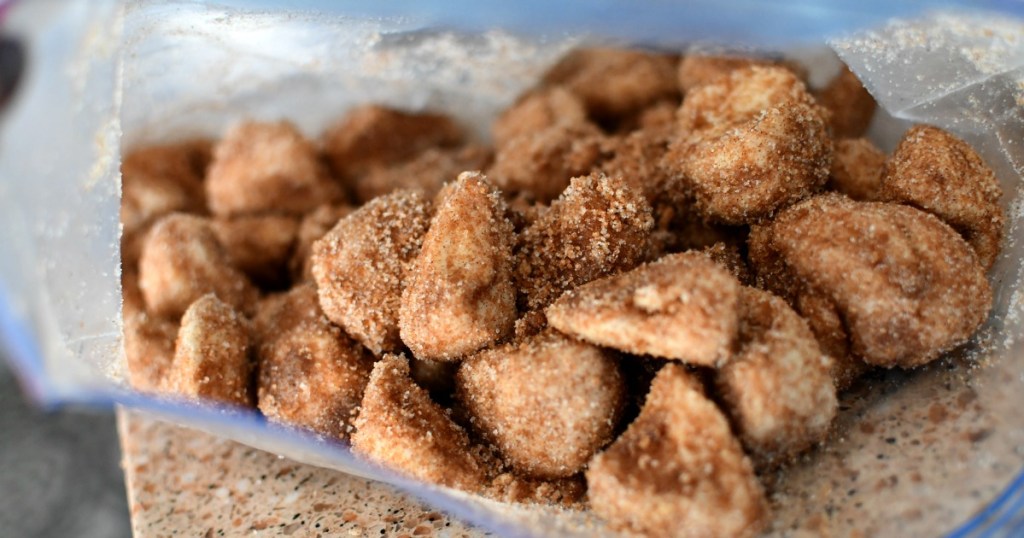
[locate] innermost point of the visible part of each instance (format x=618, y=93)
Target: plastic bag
x=110, y=76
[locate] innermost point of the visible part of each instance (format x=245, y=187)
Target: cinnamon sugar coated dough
x=825, y=321
x=906, y=284
x=857, y=167
x=756, y=142
x=696, y=70
x=547, y=403
x=373, y=134
x=401, y=427
x=313, y=226
x=536, y=111
x=597, y=227
x=681, y=307
x=427, y=171
x=158, y=181
x=359, y=265
x=267, y=167
x=148, y=349
x=211, y=354
x=677, y=470
x=259, y=246
x=541, y=163
x=311, y=374
x=778, y=386
x=459, y=295
x=181, y=261
x=851, y=106
x=939, y=173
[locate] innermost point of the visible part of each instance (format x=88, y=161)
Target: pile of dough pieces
x=646, y=292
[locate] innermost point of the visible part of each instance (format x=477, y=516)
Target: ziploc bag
x=106, y=76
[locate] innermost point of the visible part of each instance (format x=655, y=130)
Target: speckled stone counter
x=185, y=483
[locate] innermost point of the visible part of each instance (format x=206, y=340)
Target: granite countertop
x=187, y=483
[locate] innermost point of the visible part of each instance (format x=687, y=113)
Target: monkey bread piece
x=373, y=135
x=148, y=349
x=729, y=256
x=147, y=196
x=399, y=426
x=280, y=313
x=941, y=174
x=264, y=167
x=756, y=142
x=542, y=162
x=259, y=246
x=313, y=226
x=181, y=261
x=536, y=111
x=211, y=355
x=857, y=167
x=597, y=227
x=613, y=83
x=636, y=158
x=823, y=317
x=510, y=487
x=459, y=295
x=547, y=403
x=677, y=470
x=851, y=106
x=427, y=172
x=778, y=386
x=359, y=265
x=696, y=70
x=313, y=377
x=907, y=286
x=680, y=307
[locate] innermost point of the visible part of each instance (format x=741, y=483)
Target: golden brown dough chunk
x=778, y=386
x=311, y=374
x=188, y=158
x=399, y=426
x=615, y=82
x=636, y=158
x=598, y=227
x=825, y=322
x=547, y=403
x=536, y=111
x=358, y=266
x=696, y=70
x=857, y=167
x=907, y=286
x=148, y=349
x=851, y=105
x=677, y=470
x=427, y=172
x=211, y=355
x=941, y=174
x=182, y=261
x=146, y=197
x=267, y=167
x=680, y=307
x=542, y=162
x=756, y=142
x=259, y=246
x=377, y=135
x=314, y=225
x=459, y=295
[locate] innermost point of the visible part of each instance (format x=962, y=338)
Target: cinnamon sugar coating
x=851, y=106
x=857, y=167
x=459, y=295
x=148, y=349
x=778, y=386
x=211, y=354
x=313, y=226
x=542, y=162
x=359, y=265
x=311, y=374
x=906, y=285
x=547, y=403
x=427, y=171
x=680, y=307
x=536, y=111
x=259, y=246
x=399, y=426
x=157, y=180
x=696, y=70
x=677, y=470
x=372, y=135
x=753, y=142
x=263, y=167
x=941, y=174
x=598, y=226
x=615, y=82
x=181, y=261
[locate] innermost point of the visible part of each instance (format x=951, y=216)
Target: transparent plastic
x=925, y=452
